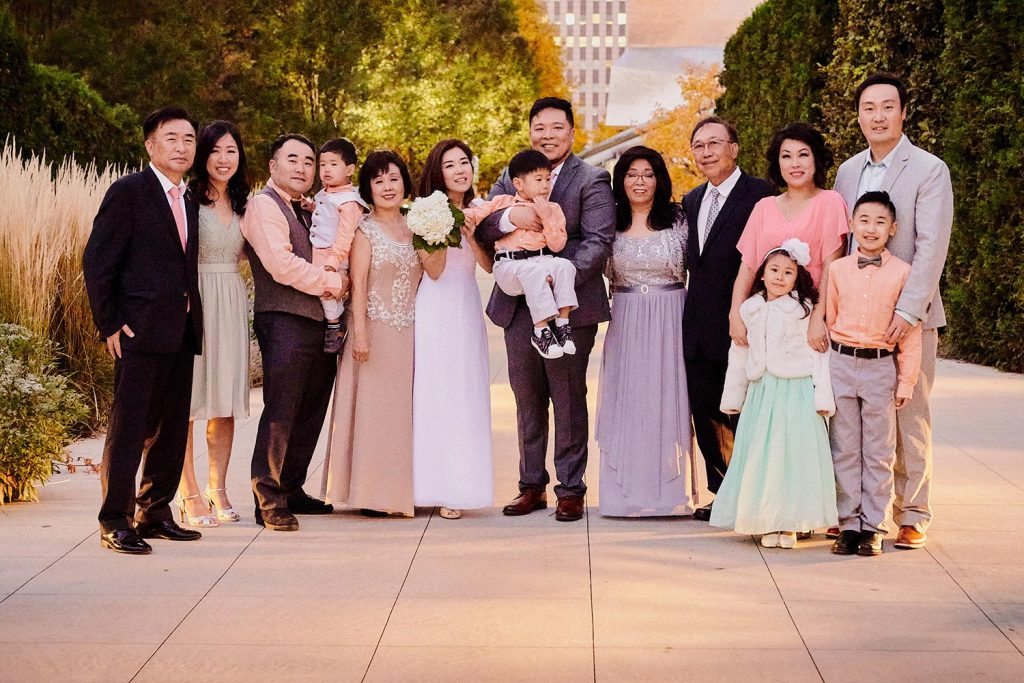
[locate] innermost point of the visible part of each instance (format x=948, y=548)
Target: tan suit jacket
x=919, y=185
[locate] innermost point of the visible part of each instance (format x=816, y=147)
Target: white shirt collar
x=166, y=183
x=726, y=187
x=887, y=161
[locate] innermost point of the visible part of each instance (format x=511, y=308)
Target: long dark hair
x=238, y=184
x=804, y=290
x=432, y=177
x=664, y=212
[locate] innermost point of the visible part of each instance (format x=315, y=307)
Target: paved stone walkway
x=490, y=598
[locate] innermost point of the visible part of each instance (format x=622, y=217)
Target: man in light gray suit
x=919, y=185
x=585, y=194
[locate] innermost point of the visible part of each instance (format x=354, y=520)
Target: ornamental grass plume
x=46, y=216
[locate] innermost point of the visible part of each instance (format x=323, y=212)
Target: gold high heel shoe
x=225, y=515
x=203, y=521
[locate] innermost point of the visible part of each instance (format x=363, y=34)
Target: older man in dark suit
x=584, y=192
x=717, y=212
x=141, y=274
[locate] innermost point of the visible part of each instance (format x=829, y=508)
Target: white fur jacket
x=777, y=334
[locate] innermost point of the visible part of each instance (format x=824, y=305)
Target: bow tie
x=873, y=261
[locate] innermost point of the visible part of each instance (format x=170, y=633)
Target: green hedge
x=772, y=72
x=962, y=62
x=53, y=111
x=983, y=143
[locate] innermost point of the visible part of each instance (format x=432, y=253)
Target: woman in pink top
x=798, y=160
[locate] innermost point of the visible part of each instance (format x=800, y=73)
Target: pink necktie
x=179, y=217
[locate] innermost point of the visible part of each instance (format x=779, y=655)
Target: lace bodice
x=395, y=273
x=217, y=243
x=655, y=259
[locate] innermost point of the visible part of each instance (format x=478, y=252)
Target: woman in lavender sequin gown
x=643, y=416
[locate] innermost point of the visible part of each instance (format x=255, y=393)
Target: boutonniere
x=188, y=194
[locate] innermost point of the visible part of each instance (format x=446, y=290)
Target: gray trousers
x=863, y=438
x=529, y=277
x=914, y=444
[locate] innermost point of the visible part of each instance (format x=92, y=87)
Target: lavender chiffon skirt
x=643, y=414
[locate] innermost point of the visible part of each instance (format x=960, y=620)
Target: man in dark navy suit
x=716, y=212
x=141, y=274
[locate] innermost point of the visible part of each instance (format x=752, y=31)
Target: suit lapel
x=899, y=162
x=565, y=176
x=692, y=213
x=163, y=207
x=727, y=209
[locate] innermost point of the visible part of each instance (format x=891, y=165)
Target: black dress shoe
x=304, y=504
x=259, y=517
x=280, y=519
x=870, y=543
x=847, y=543
x=125, y=541
x=167, y=530
x=703, y=514
x=367, y=512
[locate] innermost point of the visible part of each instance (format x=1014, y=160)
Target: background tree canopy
x=384, y=73
x=961, y=60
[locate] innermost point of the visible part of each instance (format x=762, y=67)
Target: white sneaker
x=787, y=539
x=563, y=335
x=770, y=540
x=545, y=344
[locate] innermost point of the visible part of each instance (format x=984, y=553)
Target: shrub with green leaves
x=38, y=408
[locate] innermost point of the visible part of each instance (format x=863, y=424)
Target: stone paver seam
x=775, y=583
x=198, y=602
x=983, y=464
x=979, y=607
x=590, y=583
x=32, y=578
x=398, y=595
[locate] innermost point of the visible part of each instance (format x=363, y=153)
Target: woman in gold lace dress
x=370, y=450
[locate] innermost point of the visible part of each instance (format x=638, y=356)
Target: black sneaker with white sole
x=545, y=344
x=563, y=335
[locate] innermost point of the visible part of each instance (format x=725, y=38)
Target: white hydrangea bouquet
x=435, y=222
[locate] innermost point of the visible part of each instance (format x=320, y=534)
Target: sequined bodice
x=395, y=273
x=655, y=259
x=219, y=243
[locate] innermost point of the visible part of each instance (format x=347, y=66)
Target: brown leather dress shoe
x=910, y=538
x=526, y=502
x=569, y=509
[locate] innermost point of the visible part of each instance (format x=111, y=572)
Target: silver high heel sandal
x=225, y=515
x=203, y=521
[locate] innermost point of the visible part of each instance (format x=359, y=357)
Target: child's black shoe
x=563, y=335
x=334, y=337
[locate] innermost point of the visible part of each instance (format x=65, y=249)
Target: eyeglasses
x=713, y=146
x=633, y=177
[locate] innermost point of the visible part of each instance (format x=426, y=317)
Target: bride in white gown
x=452, y=465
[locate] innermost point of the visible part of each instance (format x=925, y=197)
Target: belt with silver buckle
x=521, y=254
x=644, y=289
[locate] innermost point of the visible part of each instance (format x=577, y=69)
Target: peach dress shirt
x=553, y=237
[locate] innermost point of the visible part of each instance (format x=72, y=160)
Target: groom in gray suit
x=919, y=185
x=585, y=194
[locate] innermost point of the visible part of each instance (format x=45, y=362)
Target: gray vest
x=272, y=295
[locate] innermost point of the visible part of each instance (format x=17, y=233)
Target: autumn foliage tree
x=669, y=130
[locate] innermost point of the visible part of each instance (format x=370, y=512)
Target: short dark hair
x=342, y=147
x=553, y=103
x=881, y=78
x=238, y=184
x=526, y=162
x=664, y=212
x=279, y=141
x=807, y=134
x=432, y=177
x=162, y=116
x=804, y=290
x=876, y=197
x=377, y=164
x=734, y=135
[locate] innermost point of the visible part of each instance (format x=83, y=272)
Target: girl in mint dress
x=780, y=479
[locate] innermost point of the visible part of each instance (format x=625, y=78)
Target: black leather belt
x=859, y=352
x=521, y=254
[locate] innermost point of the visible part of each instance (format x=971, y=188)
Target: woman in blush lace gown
x=643, y=418
x=452, y=465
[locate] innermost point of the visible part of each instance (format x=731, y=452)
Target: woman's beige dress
x=370, y=446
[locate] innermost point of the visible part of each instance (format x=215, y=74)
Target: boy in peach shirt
x=337, y=213
x=523, y=260
x=869, y=387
